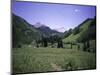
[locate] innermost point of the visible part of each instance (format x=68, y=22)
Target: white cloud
x=76, y=10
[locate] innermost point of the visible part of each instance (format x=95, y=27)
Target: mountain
x=25, y=33
x=22, y=31
x=38, y=24
x=85, y=31
x=47, y=31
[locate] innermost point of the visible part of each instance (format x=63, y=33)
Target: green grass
x=73, y=38
x=40, y=60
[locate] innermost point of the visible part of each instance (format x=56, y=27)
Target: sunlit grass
x=40, y=59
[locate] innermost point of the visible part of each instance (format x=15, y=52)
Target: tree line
x=45, y=40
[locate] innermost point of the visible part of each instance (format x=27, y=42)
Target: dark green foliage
x=92, y=29
x=84, y=46
x=67, y=33
x=52, y=40
x=19, y=45
x=76, y=30
x=78, y=47
x=45, y=41
x=60, y=44
x=37, y=43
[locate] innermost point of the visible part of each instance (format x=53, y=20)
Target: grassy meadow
x=29, y=59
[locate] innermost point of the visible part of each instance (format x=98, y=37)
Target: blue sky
x=57, y=16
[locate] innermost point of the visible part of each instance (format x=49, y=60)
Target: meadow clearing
x=29, y=59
